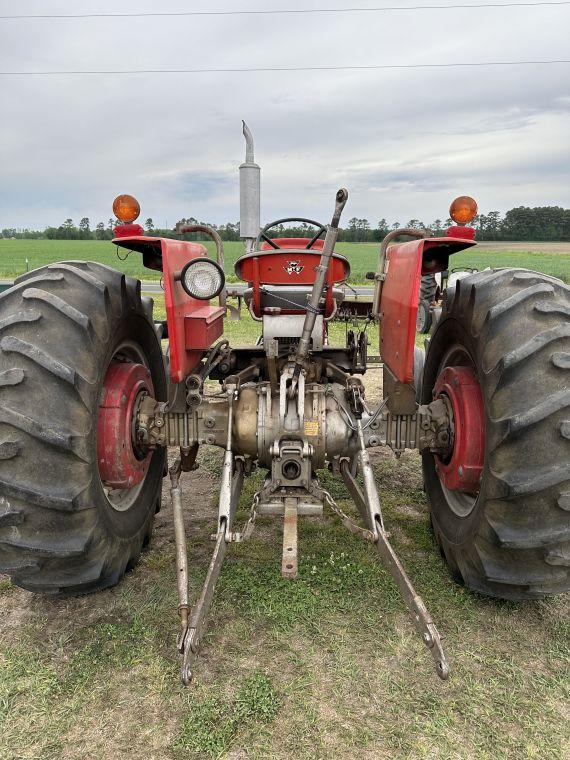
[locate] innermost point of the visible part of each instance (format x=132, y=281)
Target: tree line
x=521, y=223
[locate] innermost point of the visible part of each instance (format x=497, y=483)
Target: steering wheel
x=263, y=234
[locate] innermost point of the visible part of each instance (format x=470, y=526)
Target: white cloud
x=403, y=142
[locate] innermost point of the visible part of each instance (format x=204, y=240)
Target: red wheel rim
x=462, y=471
x=121, y=463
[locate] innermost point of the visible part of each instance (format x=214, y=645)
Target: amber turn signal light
x=126, y=208
x=463, y=209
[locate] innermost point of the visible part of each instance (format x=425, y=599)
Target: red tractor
x=89, y=404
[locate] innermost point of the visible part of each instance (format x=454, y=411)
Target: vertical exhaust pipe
x=249, y=194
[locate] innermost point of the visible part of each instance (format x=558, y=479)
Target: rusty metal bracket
x=289, y=563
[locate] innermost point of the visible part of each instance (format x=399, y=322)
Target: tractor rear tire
x=511, y=539
x=428, y=288
x=424, y=318
x=60, y=327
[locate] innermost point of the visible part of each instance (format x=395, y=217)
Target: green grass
x=362, y=257
x=556, y=264
x=326, y=666
x=214, y=721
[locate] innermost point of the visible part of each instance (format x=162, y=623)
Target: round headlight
x=202, y=279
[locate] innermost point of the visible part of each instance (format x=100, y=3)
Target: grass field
x=550, y=258
x=321, y=668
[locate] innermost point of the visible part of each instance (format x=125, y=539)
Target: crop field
x=320, y=668
x=18, y=255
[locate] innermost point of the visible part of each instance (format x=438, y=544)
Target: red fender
x=401, y=294
x=193, y=325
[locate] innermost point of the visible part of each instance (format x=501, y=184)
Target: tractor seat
x=283, y=279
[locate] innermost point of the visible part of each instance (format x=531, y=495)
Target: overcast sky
x=403, y=142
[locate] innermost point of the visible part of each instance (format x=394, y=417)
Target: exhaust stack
x=249, y=194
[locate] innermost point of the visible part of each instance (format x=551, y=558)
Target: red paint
x=119, y=467
x=464, y=233
x=399, y=308
x=273, y=267
x=128, y=230
x=188, y=318
x=463, y=471
x=270, y=267
x=401, y=294
x=191, y=322
x=436, y=251
x=203, y=327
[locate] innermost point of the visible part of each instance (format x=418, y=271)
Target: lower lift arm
x=368, y=504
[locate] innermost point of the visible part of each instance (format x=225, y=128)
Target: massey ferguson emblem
x=293, y=267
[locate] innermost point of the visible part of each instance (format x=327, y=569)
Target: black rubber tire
x=515, y=325
x=428, y=287
x=424, y=318
x=59, y=328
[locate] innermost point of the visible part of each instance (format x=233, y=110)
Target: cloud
x=404, y=141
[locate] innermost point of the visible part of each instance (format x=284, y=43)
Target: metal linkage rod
x=419, y=614
x=197, y=623
x=368, y=504
x=181, y=549
x=319, y=285
x=229, y=491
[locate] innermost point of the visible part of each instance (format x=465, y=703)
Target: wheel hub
x=463, y=469
x=122, y=464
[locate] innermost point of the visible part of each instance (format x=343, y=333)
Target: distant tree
x=382, y=226
x=493, y=225
x=229, y=231
x=437, y=227
x=352, y=231
x=68, y=231
x=479, y=223
x=363, y=228
x=382, y=229
x=149, y=225
x=100, y=232
x=84, y=228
